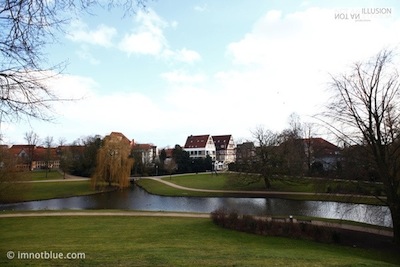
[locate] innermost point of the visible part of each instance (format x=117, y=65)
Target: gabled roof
x=196, y=141
x=16, y=149
x=119, y=136
x=221, y=141
x=321, y=147
x=143, y=146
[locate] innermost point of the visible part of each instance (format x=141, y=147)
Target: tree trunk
x=395, y=213
x=267, y=183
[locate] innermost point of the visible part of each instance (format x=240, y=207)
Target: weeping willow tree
x=114, y=163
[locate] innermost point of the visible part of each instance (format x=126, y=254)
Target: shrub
x=261, y=226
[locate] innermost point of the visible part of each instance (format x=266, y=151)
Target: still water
x=136, y=198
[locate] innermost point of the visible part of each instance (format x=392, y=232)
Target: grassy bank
x=235, y=181
x=316, y=189
x=37, y=191
x=44, y=175
x=156, y=241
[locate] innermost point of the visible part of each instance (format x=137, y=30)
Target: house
x=200, y=146
x=148, y=152
x=44, y=157
x=118, y=137
x=225, y=151
x=31, y=157
x=245, y=152
x=320, y=153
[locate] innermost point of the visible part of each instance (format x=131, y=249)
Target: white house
x=225, y=149
x=148, y=152
x=199, y=146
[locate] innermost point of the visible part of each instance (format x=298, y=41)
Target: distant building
x=200, y=146
x=118, y=137
x=225, y=151
x=31, y=157
x=320, y=153
x=148, y=152
x=245, y=152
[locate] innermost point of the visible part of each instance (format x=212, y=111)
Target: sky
x=205, y=67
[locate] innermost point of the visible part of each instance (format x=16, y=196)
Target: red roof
x=196, y=141
x=321, y=147
x=142, y=146
x=16, y=149
x=119, y=136
x=221, y=141
x=44, y=153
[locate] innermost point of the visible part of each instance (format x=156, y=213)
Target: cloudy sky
x=206, y=67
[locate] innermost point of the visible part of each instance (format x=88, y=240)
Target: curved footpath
x=263, y=193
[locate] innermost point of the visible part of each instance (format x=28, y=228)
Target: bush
x=277, y=227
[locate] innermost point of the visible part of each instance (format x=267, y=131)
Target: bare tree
x=308, y=129
x=291, y=147
x=170, y=166
x=48, y=143
x=266, y=163
x=26, y=27
x=32, y=139
x=365, y=112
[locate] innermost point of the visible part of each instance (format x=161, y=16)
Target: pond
x=136, y=198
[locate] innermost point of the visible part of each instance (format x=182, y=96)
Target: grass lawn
x=43, y=175
x=160, y=241
x=222, y=182
x=36, y=191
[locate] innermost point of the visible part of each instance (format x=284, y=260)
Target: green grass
x=36, y=191
x=222, y=182
x=157, y=188
x=159, y=241
x=201, y=181
x=41, y=175
x=225, y=181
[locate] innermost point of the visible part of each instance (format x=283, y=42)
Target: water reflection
x=138, y=199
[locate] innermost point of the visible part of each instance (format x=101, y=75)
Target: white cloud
x=85, y=54
x=179, y=76
x=283, y=64
x=201, y=8
x=188, y=56
x=145, y=43
x=148, y=38
x=102, y=36
x=310, y=39
x=92, y=112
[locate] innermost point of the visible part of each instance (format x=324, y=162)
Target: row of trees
x=272, y=154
